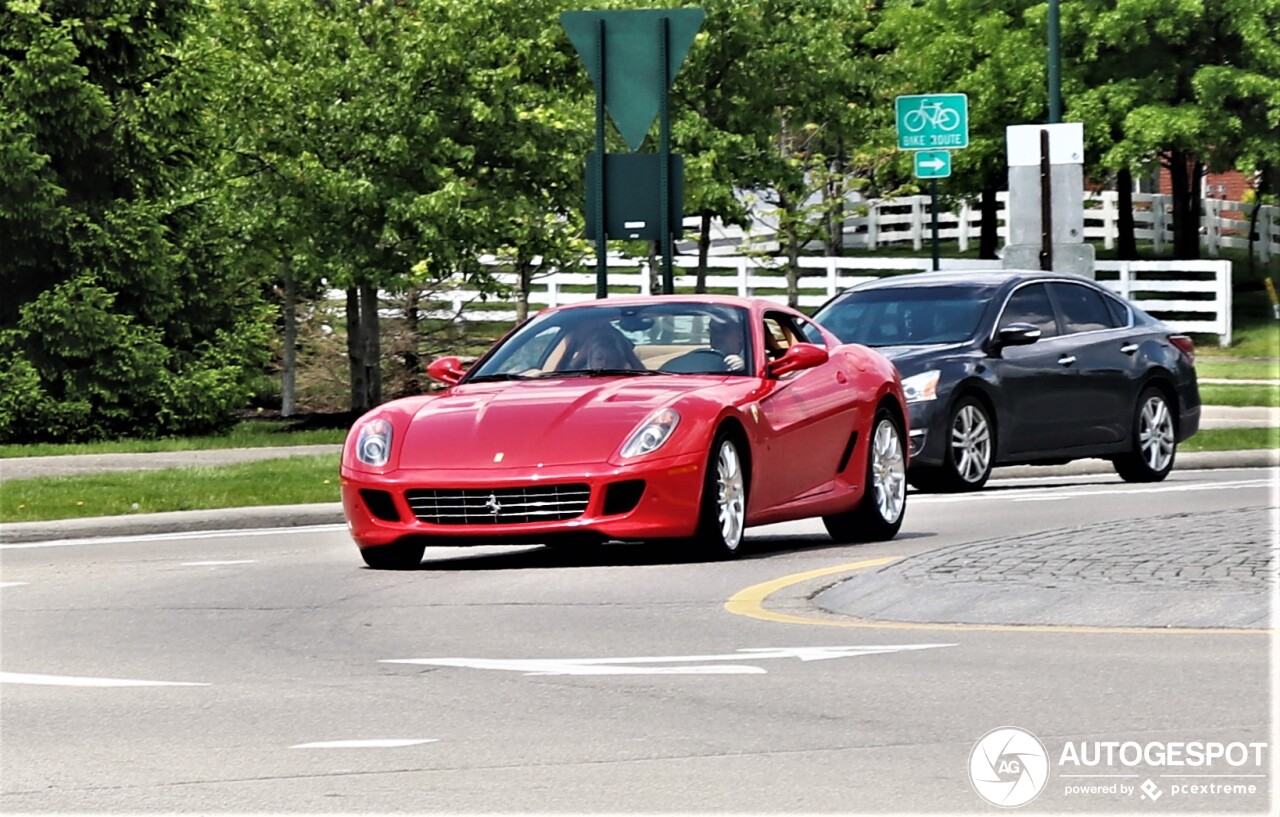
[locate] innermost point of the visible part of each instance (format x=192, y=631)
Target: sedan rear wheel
x=1155, y=441
x=723, y=515
x=970, y=452
x=878, y=515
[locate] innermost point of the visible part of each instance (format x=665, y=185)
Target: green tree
x=119, y=310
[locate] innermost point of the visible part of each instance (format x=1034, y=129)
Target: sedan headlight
x=652, y=433
x=921, y=387
x=373, y=445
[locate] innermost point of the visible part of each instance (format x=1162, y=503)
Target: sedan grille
x=499, y=506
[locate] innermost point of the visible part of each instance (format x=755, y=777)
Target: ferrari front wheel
x=878, y=515
x=722, y=514
x=398, y=556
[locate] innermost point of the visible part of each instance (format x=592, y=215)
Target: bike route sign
x=932, y=121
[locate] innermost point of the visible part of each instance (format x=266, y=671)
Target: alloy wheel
x=888, y=471
x=971, y=443
x=730, y=495
x=1155, y=433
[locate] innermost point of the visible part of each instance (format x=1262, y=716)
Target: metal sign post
x=633, y=56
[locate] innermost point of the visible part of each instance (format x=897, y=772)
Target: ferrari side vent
x=380, y=504
x=499, y=506
x=848, y=452
x=623, y=497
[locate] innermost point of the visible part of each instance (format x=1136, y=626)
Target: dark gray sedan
x=1009, y=367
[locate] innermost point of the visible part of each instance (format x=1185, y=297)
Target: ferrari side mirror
x=447, y=370
x=799, y=356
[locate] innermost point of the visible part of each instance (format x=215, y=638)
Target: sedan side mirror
x=799, y=356
x=447, y=370
x=1017, y=334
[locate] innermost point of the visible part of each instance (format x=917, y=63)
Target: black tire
x=1154, y=442
x=399, y=556
x=722, y=513
x=878, y=515
x=969, y=455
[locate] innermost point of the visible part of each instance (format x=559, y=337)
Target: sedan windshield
x=904, y=316
x=623, y=340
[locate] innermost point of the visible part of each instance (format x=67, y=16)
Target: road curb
x=330, y=513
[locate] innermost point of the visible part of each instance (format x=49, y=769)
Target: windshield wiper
x=489, y=378
x=600, y=373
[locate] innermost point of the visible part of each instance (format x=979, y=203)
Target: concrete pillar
x=1069, y=251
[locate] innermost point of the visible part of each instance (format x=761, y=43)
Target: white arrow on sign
x=933, y=164
x=693, y=664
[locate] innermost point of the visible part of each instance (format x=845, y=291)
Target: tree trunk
x=989, y=229
x=704, y=249
x=289, y=364
x=1186, y=171
x=412, y=360
x=1264, y=186
x=372, y=344
x=524, y=282
x=791, y=246
x=835, y=209
x=1126, y=241
x=355, y=352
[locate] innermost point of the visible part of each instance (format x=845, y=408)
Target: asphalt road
x=627, y=679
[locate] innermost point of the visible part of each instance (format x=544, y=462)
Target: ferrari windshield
x=624, y=340
x=902, y=316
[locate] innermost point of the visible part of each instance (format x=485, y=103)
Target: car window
x=1119, y=310
x=1030, y=304
x=901, y=315
x=1083, y=309
x=780, y=333
x=809, y=332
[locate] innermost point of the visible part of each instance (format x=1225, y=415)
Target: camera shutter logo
x=1008, y=767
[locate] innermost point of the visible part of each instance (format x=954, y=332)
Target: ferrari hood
x=524, y=424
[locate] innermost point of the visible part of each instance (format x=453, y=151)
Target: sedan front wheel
x=969, y=455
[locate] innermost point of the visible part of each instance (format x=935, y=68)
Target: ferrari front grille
x=499, y=506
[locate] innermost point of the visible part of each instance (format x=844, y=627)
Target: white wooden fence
x=1198, y=300
x=907, y=220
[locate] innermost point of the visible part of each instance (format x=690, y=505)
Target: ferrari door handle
x=1066, y=360
x=1129, y=348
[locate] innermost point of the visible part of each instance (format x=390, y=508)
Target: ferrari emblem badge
x=755, y=412
x=498, y=457
x=493, y=505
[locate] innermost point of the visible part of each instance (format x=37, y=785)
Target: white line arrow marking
x=73, y=681
x=702, y=664
x=384, y=743
x=220, y=563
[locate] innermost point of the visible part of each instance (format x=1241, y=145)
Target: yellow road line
x=750, y=602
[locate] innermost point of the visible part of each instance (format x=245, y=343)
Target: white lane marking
x=1116, y=489
x=11, y=584
x=384, y=743
x=75, y=681
x=173, y=537
x=1163, y=489
x=703, y=664
x=218, y=563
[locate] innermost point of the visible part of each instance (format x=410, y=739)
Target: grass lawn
x=1232, y=439
x=248, y=434
x=1213, y=394
x=1237, y=369
x=288, y=481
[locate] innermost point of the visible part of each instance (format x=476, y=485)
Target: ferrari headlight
x=373, y=445
x=652, y=433
x=921, y=387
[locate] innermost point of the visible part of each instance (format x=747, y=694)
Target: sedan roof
x=986, y=277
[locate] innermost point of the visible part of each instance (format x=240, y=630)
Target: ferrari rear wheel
x=398, y=556
x=723, y=514
x=878, y=515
